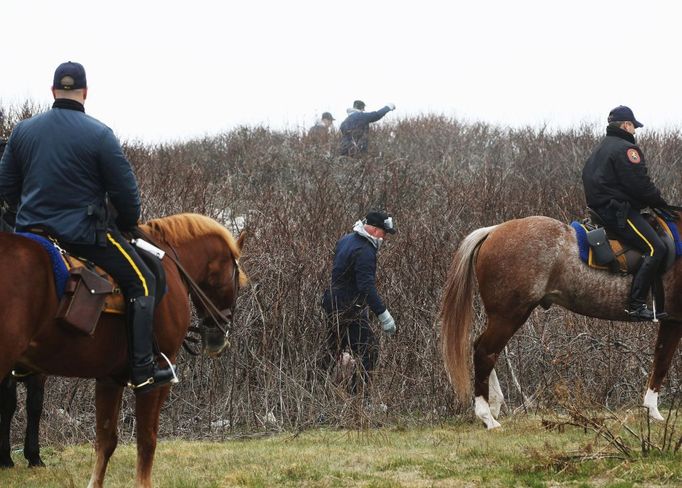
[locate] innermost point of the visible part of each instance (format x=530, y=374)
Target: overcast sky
x=172, y=70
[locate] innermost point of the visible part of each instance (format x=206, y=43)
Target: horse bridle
x=218, y=316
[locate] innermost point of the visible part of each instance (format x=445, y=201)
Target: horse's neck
x=195, y=256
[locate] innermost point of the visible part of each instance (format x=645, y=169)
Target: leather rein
x=218, y=316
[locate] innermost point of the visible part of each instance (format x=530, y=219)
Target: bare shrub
x=441, y=179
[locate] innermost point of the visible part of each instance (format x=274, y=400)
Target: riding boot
x=641, y=284
x=145, y=375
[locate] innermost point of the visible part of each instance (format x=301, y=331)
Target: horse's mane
x=175, y=229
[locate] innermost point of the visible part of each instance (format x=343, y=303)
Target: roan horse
x=204, y=249
x=519, y=265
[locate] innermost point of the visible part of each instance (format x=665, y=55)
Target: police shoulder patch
x=633, y=156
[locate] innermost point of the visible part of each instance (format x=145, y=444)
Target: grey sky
x=168, y=70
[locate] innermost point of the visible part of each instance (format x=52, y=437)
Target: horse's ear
x=240, y=239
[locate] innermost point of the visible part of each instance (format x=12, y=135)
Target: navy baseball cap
x=623, y=114
x=69, y=76
x=381, y=220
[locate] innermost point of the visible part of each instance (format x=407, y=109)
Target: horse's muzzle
x=214, y=340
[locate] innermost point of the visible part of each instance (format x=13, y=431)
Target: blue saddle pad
x=581, y=236
x=59, y=269
x=674, y=231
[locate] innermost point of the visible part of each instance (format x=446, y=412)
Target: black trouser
x=635, y=231
x=350, y=329
x=122, y=262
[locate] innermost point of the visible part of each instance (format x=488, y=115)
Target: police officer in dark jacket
x=617, y=187
x=355, y=129
x=60, y=167
x=352, y=293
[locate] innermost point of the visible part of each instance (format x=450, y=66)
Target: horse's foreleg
x=487, y=348
x=107, y=407
x=35, y=391
x=8, y=405
x=669, y=334
x=147, y=411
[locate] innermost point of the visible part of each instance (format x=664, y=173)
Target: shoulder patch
x=633, y=156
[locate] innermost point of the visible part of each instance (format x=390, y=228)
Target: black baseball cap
x=381, y=220
x=69, y=76
x=623, y=114
x=359, y=105
x=327, y=116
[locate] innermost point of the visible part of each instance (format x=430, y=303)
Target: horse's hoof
x=36, y=463
x=654, y=414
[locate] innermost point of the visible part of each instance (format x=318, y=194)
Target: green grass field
x=522, y=453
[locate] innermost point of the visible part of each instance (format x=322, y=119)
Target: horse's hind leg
x=35, y=391
x=107, y=407
x=8, y=405
x=487, y=348
x=495, y=395
x=669, y=334
x=147, y=411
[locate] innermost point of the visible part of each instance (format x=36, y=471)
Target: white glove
x=387, y=322
x=391, y=106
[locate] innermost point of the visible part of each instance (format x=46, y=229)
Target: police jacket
x=59, y=167
x=354, y=276
x=356, y=128
x=616, y=170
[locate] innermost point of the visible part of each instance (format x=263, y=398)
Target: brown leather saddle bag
x=84, y=300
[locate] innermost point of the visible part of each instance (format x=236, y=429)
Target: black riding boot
x=641, y=284
x=144, y=373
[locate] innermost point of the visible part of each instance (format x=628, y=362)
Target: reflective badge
x=633, y=156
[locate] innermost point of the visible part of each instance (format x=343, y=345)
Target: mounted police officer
x=617, y=187
x=60, y=167
x=352, y=293
x=355, y=128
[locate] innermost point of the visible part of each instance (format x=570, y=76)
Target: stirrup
x=153, y=381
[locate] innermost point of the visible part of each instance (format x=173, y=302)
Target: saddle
x=607, y=252
x=85, y=290
x=89, y=292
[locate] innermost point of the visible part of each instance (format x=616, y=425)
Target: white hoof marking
x=482, y=409
x=495, y=394
x=651, y=402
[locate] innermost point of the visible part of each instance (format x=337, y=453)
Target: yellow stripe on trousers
x=132, y=263
x=643, y=238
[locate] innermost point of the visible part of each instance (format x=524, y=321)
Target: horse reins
x=214, y=312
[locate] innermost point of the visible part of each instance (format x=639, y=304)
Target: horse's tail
x=456, y=311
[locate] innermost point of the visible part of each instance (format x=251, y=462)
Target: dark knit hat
x=381, y=220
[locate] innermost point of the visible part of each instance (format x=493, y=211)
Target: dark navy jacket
x=353, y=276
x=616, y=170
x=59, y=166
x=355, y=130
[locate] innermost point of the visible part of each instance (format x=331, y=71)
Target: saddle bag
x=603, y=253
x=83, y=300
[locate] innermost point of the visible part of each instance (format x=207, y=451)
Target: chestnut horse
x=519, y=265
x=203, y=249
